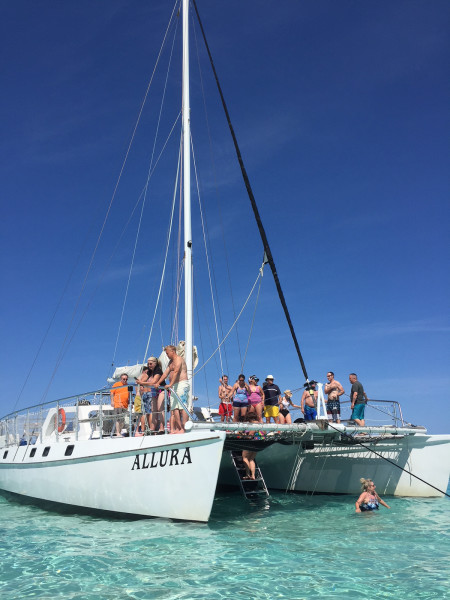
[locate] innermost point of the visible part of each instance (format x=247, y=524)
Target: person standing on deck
x=178, y=381
x=333, y=389
x=240, y=393
x=225, y=397
x=359, y=400
x=272, y=396
x=120, y=398
x=308, y=403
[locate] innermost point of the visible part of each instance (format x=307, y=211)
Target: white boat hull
x=337, y=469
x=170, y=476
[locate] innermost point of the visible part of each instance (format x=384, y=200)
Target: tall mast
x=188, y=283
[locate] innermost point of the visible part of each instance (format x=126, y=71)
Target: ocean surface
x=293, y=546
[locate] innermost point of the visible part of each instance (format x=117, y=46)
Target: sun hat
x=287, y=393
x=270, y=377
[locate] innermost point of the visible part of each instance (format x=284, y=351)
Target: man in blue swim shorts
x=359, y=400
x=308, y=402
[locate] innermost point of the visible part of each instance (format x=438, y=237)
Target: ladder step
x=259, y=486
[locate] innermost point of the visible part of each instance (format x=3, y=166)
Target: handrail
x=393, y=403
x=105, y=391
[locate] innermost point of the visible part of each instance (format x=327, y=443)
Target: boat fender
x=60, y=420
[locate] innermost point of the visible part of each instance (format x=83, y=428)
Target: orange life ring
x=60, y=420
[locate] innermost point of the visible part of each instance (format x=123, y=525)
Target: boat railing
x=377, y=412
x=60, y=418
x=86, y=416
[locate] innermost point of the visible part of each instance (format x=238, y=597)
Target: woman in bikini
x=285, y=415
x=256, y=397
x=369, y=499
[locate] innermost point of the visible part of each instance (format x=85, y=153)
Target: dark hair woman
x=240, y=393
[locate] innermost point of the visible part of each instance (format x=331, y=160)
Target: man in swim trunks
x=226, y=403
x=334, y=389
x=272, y=396
x=178, y=381
x=308, y=402
x=359, y=400
x=120, y=398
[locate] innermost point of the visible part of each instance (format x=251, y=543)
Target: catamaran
x=68, y=452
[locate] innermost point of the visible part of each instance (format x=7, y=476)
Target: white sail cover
x=164, y=361
x=134, y=371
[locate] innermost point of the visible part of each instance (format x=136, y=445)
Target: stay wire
x=254, y=206
x=206, y=253
x=235, y=321
x=169, y=236
x=149, y=173
x=388, y=460
x=67, y=341
x=251, y=326
x=216, y=187
x=201, y=346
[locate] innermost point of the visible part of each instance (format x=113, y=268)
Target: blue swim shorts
x=358, y=412
x=147, y=402
x=310, y=413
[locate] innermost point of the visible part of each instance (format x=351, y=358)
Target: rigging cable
x=388, y=460
x=201, y=346
x=207, y=255
x=235, y=321
x=253, y=203
x=219, y=209
x=251, y=327
x=149, y=174
x=65, y=344
x=169, y=235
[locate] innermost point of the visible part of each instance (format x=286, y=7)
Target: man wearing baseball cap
x=272, y=394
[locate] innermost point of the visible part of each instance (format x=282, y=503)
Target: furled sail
x=134, y=371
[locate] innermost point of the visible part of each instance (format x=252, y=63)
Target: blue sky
x=342, y=113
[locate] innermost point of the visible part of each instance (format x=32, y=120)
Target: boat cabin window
x=5, y=453
x=33, y=452
x=46, y=451
x=69, y=450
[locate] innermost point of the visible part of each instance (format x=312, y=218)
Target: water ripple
x=295, y=547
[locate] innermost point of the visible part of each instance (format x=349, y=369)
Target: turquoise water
x=295, y=547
